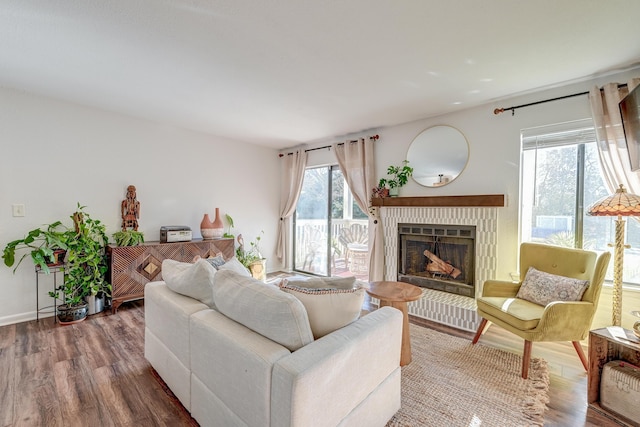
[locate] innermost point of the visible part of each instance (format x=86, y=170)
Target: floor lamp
x=618, y=204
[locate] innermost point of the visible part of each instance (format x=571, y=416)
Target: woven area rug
x=453, y=383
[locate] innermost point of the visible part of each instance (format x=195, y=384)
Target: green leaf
x=9, y=258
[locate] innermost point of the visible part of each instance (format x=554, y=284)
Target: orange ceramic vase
x=212, y=229
x=218, y=226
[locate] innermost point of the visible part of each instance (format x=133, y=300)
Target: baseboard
x=22, y=317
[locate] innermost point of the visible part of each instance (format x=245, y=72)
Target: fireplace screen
x=439, y=257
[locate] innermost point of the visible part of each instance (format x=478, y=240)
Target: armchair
x=558, y=320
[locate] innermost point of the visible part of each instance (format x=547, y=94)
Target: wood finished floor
x=94, y=373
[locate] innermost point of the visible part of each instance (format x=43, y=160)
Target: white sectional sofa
x=258, y=363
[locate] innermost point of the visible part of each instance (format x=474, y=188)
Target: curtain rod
x=374, y=137
x=502, y=110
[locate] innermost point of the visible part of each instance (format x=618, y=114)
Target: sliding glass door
x=329, y=228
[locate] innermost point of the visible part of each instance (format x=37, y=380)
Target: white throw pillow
x=262, y=308
x=542, y=288
x=328, y=308
x=193, y=280
x=234, y=265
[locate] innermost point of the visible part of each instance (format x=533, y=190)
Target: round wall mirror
x=438, y=155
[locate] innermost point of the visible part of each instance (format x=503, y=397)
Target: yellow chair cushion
x=520, y=314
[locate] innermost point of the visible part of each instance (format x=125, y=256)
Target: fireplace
x=438, y=256
x=458, y=311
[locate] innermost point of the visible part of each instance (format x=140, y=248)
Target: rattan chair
x=355, y=240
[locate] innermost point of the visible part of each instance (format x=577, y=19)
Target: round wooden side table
x=397, y=295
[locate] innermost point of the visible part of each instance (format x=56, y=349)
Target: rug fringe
x=536, y=405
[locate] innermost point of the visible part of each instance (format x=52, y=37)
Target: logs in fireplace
x=440, y=257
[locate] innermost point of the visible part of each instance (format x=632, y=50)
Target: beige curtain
x=612, y=148
x=293, y=166
x=356, y=161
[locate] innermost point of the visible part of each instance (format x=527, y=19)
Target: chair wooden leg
x=581, y=355
x=526, y=358
x=479, y=332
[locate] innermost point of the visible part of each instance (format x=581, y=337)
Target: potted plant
x=45, y=245
x=399, y=177
x=128, y=237
x=230, y=222
x=251, y=258
x=85, y=270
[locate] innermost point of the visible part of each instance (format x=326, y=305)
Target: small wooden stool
x=397, y=295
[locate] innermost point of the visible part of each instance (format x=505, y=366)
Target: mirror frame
x=426, y=167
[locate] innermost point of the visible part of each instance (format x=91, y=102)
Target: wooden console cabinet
x=132, y=267
x=604, y=347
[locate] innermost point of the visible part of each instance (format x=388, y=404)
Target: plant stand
x=54, y=270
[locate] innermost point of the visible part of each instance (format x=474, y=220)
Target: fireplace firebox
x=440, y=257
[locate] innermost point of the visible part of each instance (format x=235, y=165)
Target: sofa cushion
x=542, y=288
x=522, y=314
x=330, y=305
x=262, y=308
x=192, y=280
x=234, y=265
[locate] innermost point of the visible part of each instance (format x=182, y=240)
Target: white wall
x=494, y=145
x=55, y=154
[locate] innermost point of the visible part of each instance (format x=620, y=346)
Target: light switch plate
x=18, y=210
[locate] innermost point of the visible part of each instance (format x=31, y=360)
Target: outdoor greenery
x=312, y=203
x=555, y=195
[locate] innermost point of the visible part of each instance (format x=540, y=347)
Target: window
x=561, y=178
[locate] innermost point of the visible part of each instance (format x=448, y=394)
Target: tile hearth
x=447, y=308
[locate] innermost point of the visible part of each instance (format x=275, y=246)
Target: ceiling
x=284, y=72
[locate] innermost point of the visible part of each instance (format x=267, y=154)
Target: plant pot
x=58, y=257
x=393, y=192
x=75, y=314
x=258, y=269
x=96, y=303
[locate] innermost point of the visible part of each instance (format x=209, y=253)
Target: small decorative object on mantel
x=212, y=229
x=399, y=177
x=130, y=209
x=380, y=192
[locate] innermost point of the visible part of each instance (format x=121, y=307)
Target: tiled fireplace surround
x=442, y=307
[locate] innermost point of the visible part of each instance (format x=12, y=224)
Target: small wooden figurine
x=130, y=210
